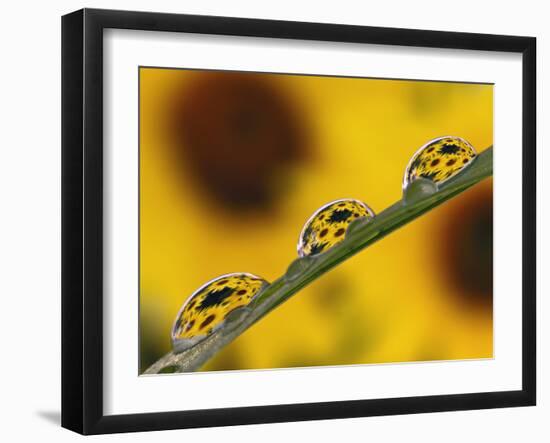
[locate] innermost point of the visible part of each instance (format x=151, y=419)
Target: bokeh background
x=231, y=166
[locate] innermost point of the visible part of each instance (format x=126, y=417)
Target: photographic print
x=252, y=185
x=254, y=204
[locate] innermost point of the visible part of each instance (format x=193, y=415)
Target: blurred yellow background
x=233, y=164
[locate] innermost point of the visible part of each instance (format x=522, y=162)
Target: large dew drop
x=208, y=308
x=439, y=160
x=328, y=225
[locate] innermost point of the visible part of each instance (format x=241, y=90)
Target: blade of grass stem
x=305, y=270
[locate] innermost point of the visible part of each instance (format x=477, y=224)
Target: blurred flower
x=399, y=300
x=236, y=134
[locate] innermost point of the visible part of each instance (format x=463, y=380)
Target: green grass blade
x=419, y=198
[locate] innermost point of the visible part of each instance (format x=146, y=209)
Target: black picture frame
x=82, y=220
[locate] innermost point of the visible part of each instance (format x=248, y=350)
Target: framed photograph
x=269, y=221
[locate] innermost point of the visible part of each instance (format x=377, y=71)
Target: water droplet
x=298, y=267
x=236, y=315
x=327, y=226
x=357, y=224
x=419, y=189
x=212, y=305
x=439, y=160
